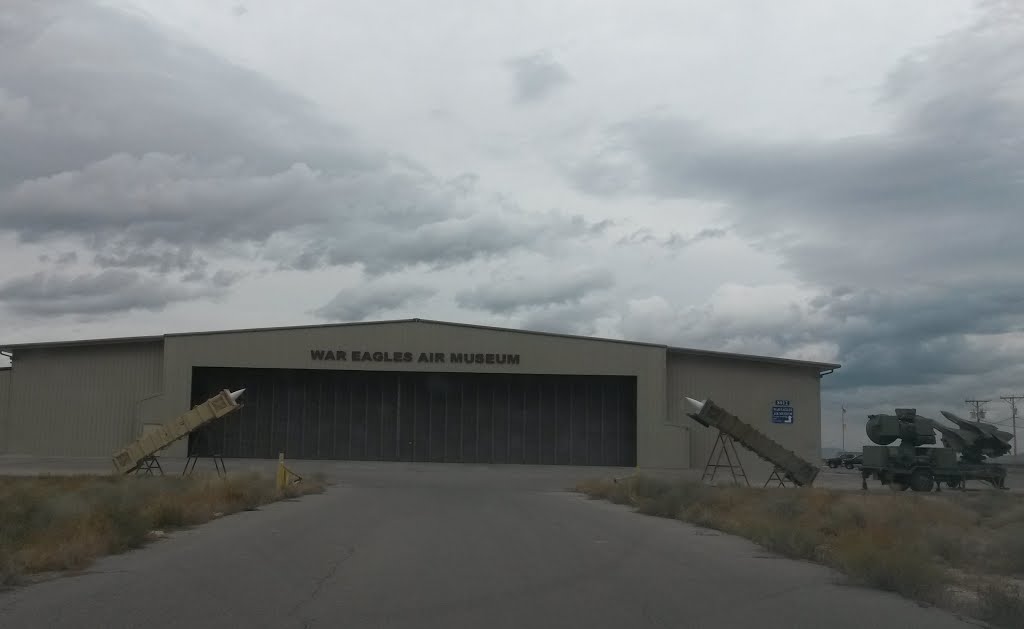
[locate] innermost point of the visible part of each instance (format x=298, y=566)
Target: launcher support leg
x=146, y=466
x=728, y=459
x=218, y=462
x=732, y=461
x=777, y=476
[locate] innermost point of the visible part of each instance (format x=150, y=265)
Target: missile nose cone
x=236, y=394
x=692, y=406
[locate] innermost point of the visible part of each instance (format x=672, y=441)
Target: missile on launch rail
x=128, y=458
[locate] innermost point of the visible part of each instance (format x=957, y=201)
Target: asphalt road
x=454, y=546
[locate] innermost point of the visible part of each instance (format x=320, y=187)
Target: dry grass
x=1000, y=603
x=921, y=546
x=56, y=523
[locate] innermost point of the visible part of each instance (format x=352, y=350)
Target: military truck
x=911, y=464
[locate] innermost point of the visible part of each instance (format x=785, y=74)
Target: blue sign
x=782, y=412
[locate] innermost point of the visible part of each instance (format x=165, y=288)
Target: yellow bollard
x=282, y=473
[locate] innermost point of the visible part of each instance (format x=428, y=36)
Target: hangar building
x=406, y=390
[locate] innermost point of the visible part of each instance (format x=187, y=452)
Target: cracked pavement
x=454, y=546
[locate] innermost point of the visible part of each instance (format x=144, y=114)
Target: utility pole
x=844, y=431
x=978, y=413
x=1012, y=401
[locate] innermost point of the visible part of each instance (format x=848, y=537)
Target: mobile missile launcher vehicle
x=911, y=464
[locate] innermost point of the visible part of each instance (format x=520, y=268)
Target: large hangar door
x=415, y=416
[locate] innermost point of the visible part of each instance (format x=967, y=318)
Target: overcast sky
x=838, y=181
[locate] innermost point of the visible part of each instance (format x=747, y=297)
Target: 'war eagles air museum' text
x=456, y=358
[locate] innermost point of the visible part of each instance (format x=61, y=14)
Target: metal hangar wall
x=409, y=390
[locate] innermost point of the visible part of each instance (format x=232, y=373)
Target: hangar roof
x=672, y=350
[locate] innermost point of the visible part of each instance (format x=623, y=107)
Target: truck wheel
x=849, y=466
x=833, y=464
x=921, y=480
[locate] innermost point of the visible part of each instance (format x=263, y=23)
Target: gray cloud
x=68, y=257
x=225, y=278
x=439, y=244
x=45, y=294
x=673, y=240
x=911, y=190
x=881, y=338
x=907, y=241
x=503, y=296
x=878, y=207
x=173, y=160
x=537, y=76
x=161, y=259
x=167, y=97
x=922, y=348
x=580, y=318
x=372, y=298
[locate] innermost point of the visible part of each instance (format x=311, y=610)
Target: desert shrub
x=612, y=490
x=1000, y=603
x=945, y=541
x=1010, y=515
x=647, y=487
x=988, y=505
x=847, y=515
x=598, y=489
x=704, y=515
x=915, y=545
x=671, y=501
x=167, y=512
x=907, y=568
x=10, y=570
x=1006, y=549
x=781, y=537
x=64, y=523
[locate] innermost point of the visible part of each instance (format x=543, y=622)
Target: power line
x=978, y=413
x=1012, y=401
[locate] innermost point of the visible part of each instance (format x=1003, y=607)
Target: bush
x=918, y=546
x=10, y=571
x=1000, y=603
x=167, y=513
x=947, y=542
x=990, y=504
x=670, y=501
x=1007, y=549
x=792, y=541
x=64, y=523
x=906, y=568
